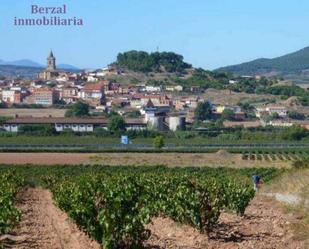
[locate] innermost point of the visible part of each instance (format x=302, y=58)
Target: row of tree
x=141, y=61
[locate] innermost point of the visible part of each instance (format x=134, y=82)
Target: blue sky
x=208, y=33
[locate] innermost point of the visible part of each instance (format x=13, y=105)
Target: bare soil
x=44, y=226
x=264, y=226
x=219, y=159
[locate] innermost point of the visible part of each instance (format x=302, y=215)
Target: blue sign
x=124, y=139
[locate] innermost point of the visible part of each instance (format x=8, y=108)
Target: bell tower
x=51, y=62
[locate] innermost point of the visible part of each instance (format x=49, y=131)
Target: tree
x=294, y=132
x=158, y=142
x=227, y=114
x=296, y=115
x=78, y=109
x=203, y=111
x=116, y=123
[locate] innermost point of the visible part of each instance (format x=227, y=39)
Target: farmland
x=90, y=194
x=216, y=159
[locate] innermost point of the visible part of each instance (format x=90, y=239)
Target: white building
x=8, y=96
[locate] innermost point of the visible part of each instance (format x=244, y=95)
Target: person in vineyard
x=256, y=182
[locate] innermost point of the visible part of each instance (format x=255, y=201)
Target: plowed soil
x=44, y=226
x=264, y=226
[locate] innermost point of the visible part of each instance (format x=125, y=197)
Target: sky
x=208, y=33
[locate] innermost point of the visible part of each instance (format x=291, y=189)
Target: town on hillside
x=143, y=104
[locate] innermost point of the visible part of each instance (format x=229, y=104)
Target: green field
x=113, y=204
x=91, y=139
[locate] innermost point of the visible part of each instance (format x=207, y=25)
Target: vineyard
x=279, y=155
x=114, y=204
x=10, y=184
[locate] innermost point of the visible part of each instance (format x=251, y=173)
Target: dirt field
x=225, y=97
x=40, y=112
x=44, y=226
x=264, y=226
x=221, y=158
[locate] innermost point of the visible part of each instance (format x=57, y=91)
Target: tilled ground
x=44, y=226
x=264, y=226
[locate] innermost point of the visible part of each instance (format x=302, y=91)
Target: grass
x=93, y=139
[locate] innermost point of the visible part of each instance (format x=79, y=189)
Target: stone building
x=51, y=71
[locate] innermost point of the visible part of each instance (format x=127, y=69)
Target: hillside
x=28, y=72
x=19, y=71
x=293, y=66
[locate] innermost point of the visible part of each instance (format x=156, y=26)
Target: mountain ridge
x=30, y=63
x=294, y=64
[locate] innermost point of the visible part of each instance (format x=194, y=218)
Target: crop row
x=10, y=184
x=273, y=156
x=114, y=209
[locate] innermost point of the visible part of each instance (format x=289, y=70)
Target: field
x=34, y=112
x=114, y=205
x=218, y=159
x=141, y=207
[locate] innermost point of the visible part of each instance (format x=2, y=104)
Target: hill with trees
x=141, y=61
x=294, y=66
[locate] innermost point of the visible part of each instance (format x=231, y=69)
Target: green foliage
x=132, y=114
x=10, y=184
x=114, y=204
x=116, y=123
x=205, y=79
x=3, y=105
x=294, y=133
x=37, y=129
x=227, y=114
x=158, y=142
x=203, y=111
x=296, y=115
x=78, y=109
x=141, y=61
x=32, y=106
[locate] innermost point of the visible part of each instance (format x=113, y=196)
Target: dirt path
x=264, y=226
x=44, y=226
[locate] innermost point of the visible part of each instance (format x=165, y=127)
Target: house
x=93, y=93
x=8, y=96
x=280, y=110
x=221, y=108
x=44, y=96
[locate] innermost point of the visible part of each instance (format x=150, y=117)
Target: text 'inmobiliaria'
x=48, y=16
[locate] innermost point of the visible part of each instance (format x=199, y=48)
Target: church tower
x=51, y=62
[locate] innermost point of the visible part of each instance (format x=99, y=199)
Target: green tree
x=227, y=114
x=78, y=109
x=203, y=111
x=158, y=142
x=116, y=123
x=294, y=132
x=296, y=115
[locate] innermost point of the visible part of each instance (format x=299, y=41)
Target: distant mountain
x=29, y=72
x=30, y=63
x=19, y=71
x=23, y=63
x=68, y=67
x=293, y=65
